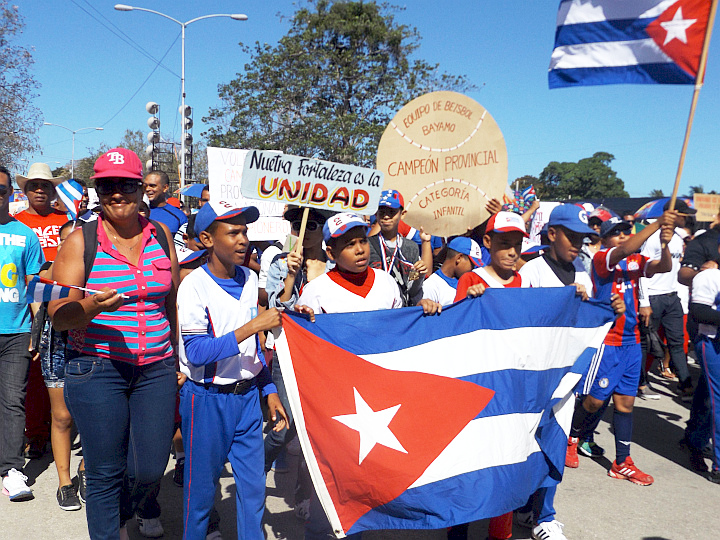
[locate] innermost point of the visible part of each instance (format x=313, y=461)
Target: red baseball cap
x=118, y=163
x=503, y=222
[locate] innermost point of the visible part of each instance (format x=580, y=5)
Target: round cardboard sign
x=446, y=155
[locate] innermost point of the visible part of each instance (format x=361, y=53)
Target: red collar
x=359, y=284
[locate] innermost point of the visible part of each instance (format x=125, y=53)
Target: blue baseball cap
x=219, y=210
x=341, y=223
x=572, y=217
x=467, y=246
x=391, y=198
x=614, y=224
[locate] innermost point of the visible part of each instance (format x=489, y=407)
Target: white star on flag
x=677, y=27
x=372, y=426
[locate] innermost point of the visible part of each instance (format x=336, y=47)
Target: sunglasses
x=616, y=232
x=4, y=190
x=309, y=226
x=630, y=221
x=126, y=185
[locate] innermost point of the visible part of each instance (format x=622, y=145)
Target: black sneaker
x=179, y=472
x=82, y=484
x=697, y=460
x=714, y=476
x=67, y=498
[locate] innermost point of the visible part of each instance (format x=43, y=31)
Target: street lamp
x=234, y=16
x=72, y=163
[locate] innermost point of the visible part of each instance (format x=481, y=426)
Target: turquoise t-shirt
x=20, y=256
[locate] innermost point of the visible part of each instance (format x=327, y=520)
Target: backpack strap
x=90, y=235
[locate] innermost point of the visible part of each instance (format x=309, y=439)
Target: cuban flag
x=622, y=41
x=43, y=290
x=415, y=422
x=70, y=193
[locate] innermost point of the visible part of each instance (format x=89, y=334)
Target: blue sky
x=88, y=73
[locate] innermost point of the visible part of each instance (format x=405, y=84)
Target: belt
x=674, y=293
x=240, y=387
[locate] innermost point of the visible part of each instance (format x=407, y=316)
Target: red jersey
x=481, y=275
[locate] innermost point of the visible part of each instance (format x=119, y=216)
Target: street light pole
x=234, y=16
x=72, y=162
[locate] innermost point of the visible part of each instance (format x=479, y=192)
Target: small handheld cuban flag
x=617, y=41
x=70, y=193
x=43, y=290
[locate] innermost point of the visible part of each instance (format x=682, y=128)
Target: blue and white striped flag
x=70, y=193
x=415, y=422
x=628, y=41
x=43, y=290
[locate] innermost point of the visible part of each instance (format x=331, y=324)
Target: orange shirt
x=46, y=228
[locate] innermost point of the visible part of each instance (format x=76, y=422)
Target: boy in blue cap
x=219, y=353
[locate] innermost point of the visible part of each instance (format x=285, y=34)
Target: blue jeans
x=125, y=415
x=14, y=364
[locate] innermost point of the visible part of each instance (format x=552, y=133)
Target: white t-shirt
x=437, y=289
x=706, y=291
x=661, y=283
x=537, y=273
x=203, y=304
x=266, y=260
x=325, y=295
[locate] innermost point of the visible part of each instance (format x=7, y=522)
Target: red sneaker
x=628, y=471
x=571, y=456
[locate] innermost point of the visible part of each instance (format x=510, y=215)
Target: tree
x=589, y=178
x=132, y=140
x=19, y=119
x=656, y=193
x=330, y=86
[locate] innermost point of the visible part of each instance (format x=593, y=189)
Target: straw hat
x=40, y=171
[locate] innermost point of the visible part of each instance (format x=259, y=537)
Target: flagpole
x=698, y=85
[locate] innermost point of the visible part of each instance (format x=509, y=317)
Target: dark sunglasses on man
x=4, y=190
x=309, y=226
x=124, y=185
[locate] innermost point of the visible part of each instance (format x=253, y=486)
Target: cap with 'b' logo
x=118, y=163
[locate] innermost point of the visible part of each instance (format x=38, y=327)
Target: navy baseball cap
x=467, y=246
x=341, y=223
x=614, y=224
x=392, y=199
x=572, y=217
x=219, y=210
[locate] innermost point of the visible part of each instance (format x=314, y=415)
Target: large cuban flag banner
x=628, y=41
x=417, y=422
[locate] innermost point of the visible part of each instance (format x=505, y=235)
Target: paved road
x=681, y=505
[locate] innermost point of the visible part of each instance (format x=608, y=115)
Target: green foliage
x=132, y=140
x=330, y=86
x=656, y=193
x=589, y=178
x=19, y=119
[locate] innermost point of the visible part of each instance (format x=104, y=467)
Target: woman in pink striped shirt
x=120, y=377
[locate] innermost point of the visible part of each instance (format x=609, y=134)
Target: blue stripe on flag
x=69, y=192
x=403, y=328
x=637, y=74
x=595, y=32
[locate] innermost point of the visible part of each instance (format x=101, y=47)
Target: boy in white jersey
x=463, y=254
x=219, y=353
x=350, y=286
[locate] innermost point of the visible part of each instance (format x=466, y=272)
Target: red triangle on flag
x=680, y=32
x=432, y=411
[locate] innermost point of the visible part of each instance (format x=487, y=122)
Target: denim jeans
x=125, y=416
x=14, y=364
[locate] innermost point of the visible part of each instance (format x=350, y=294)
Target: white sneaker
x=549, y=530
x=14, y=486
x=150, y=528
x=215, y=535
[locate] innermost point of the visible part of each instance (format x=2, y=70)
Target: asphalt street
x=680, y=505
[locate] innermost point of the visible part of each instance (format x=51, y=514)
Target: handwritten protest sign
x=225, y=168
x=310, y=182
x=446, y=155
x=707, y=206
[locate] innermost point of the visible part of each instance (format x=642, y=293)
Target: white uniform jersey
x=537, y=273
x=706, y=291
x=663, y=282
x=438, y=290
x=331, y=293
x=205, y=308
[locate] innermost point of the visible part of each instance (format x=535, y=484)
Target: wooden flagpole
x=303, y=223
x=698, y=85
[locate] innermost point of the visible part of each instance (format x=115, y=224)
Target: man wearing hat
x=661, y=295
x=45, y=222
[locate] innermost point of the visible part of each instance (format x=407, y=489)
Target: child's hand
x=425, y=237
x=618, y=304
x=268, y=319
x=493, y=206
x=666, y=234
x=581, y=292
x=668, y=218
x=476, y=290
x=421, y=267
x=294, y=261
x=275, y=409
x=181, y=378
x=307, y=310
x=430, y=307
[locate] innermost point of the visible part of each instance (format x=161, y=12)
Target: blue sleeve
x=205, y=349
x=264, y=382
x=34, y=257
